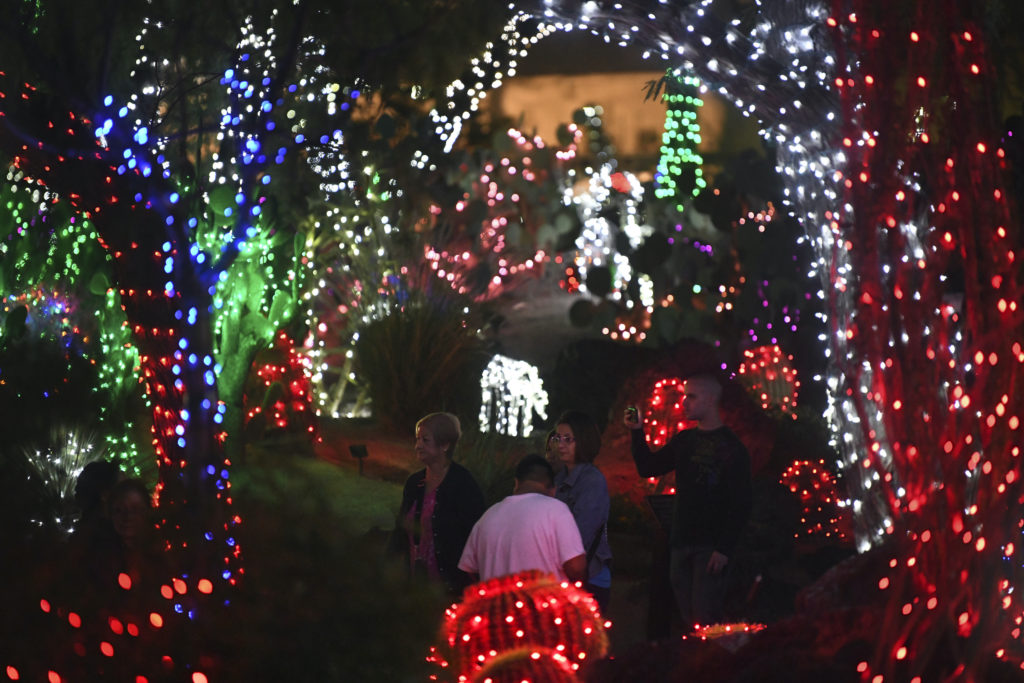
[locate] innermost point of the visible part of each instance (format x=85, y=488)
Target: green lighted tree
x=679, y=175
x=53, y=265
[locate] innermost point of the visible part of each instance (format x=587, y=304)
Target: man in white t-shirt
x=531, y=529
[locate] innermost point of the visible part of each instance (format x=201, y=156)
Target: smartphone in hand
x=632, y=416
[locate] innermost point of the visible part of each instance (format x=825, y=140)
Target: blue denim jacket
x=585, y=490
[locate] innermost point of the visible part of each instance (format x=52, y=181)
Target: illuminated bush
x=501, y=620
x=512, y=392
x=769, y=376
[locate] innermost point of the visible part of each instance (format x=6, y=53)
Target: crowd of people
x=556, y=518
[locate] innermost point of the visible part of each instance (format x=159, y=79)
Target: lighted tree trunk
x=926, y=316
x=167, y=301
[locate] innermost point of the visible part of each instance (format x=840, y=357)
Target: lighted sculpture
x=512, y=393
x=59, y=466
x=679, y=175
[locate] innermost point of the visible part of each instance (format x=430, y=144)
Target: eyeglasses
x=557, y=438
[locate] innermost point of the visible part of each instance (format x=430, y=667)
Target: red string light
x=522, y=622
x=769, y=376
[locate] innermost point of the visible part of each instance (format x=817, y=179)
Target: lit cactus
x=524, y=623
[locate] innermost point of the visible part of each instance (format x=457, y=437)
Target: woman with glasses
x=575, y=442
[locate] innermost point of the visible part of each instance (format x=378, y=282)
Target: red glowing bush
x=768, y=375
x=530, y=624
x=278, y=399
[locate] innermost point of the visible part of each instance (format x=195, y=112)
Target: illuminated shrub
x=278, y=398
x=529, y=624
x=511, y=392
x=663, y=418
x=663, y=411
x=769, y=376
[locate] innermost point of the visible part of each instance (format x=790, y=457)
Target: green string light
x=679, y=168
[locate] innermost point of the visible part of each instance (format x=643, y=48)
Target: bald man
x=712, y=502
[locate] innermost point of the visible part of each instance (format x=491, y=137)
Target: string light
x=768, y=375
x=553, y=624
x=819, y=494
x=286, y=402
x=679, y=168
x=512, y=393
x=916, y=258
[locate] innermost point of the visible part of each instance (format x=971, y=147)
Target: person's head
x=93, y=486
x=436, y=436
x=130, y=507
x=701, y=394
x=534, y=474
x=579, y=439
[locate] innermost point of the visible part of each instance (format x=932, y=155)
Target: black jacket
x=713, y=486
x=459, y=504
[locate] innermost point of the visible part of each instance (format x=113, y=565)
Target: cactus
x=528, y=622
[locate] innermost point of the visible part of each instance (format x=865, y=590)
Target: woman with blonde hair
x=440, y=505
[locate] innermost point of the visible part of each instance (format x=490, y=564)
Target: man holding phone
x=712, y=502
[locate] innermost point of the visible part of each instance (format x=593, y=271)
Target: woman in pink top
x=440, y=505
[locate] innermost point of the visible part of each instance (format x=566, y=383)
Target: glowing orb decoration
x=528, y=621
x=512, y=393
x=768, y=375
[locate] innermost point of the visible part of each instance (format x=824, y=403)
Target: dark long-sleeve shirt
x=713, y=486
x=459, y=504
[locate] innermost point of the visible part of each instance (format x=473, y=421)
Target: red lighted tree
x=925, y=298
x=885, y=132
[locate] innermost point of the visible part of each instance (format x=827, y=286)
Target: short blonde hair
x=445, y=429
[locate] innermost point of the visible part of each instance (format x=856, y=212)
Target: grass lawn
x=315, y=489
